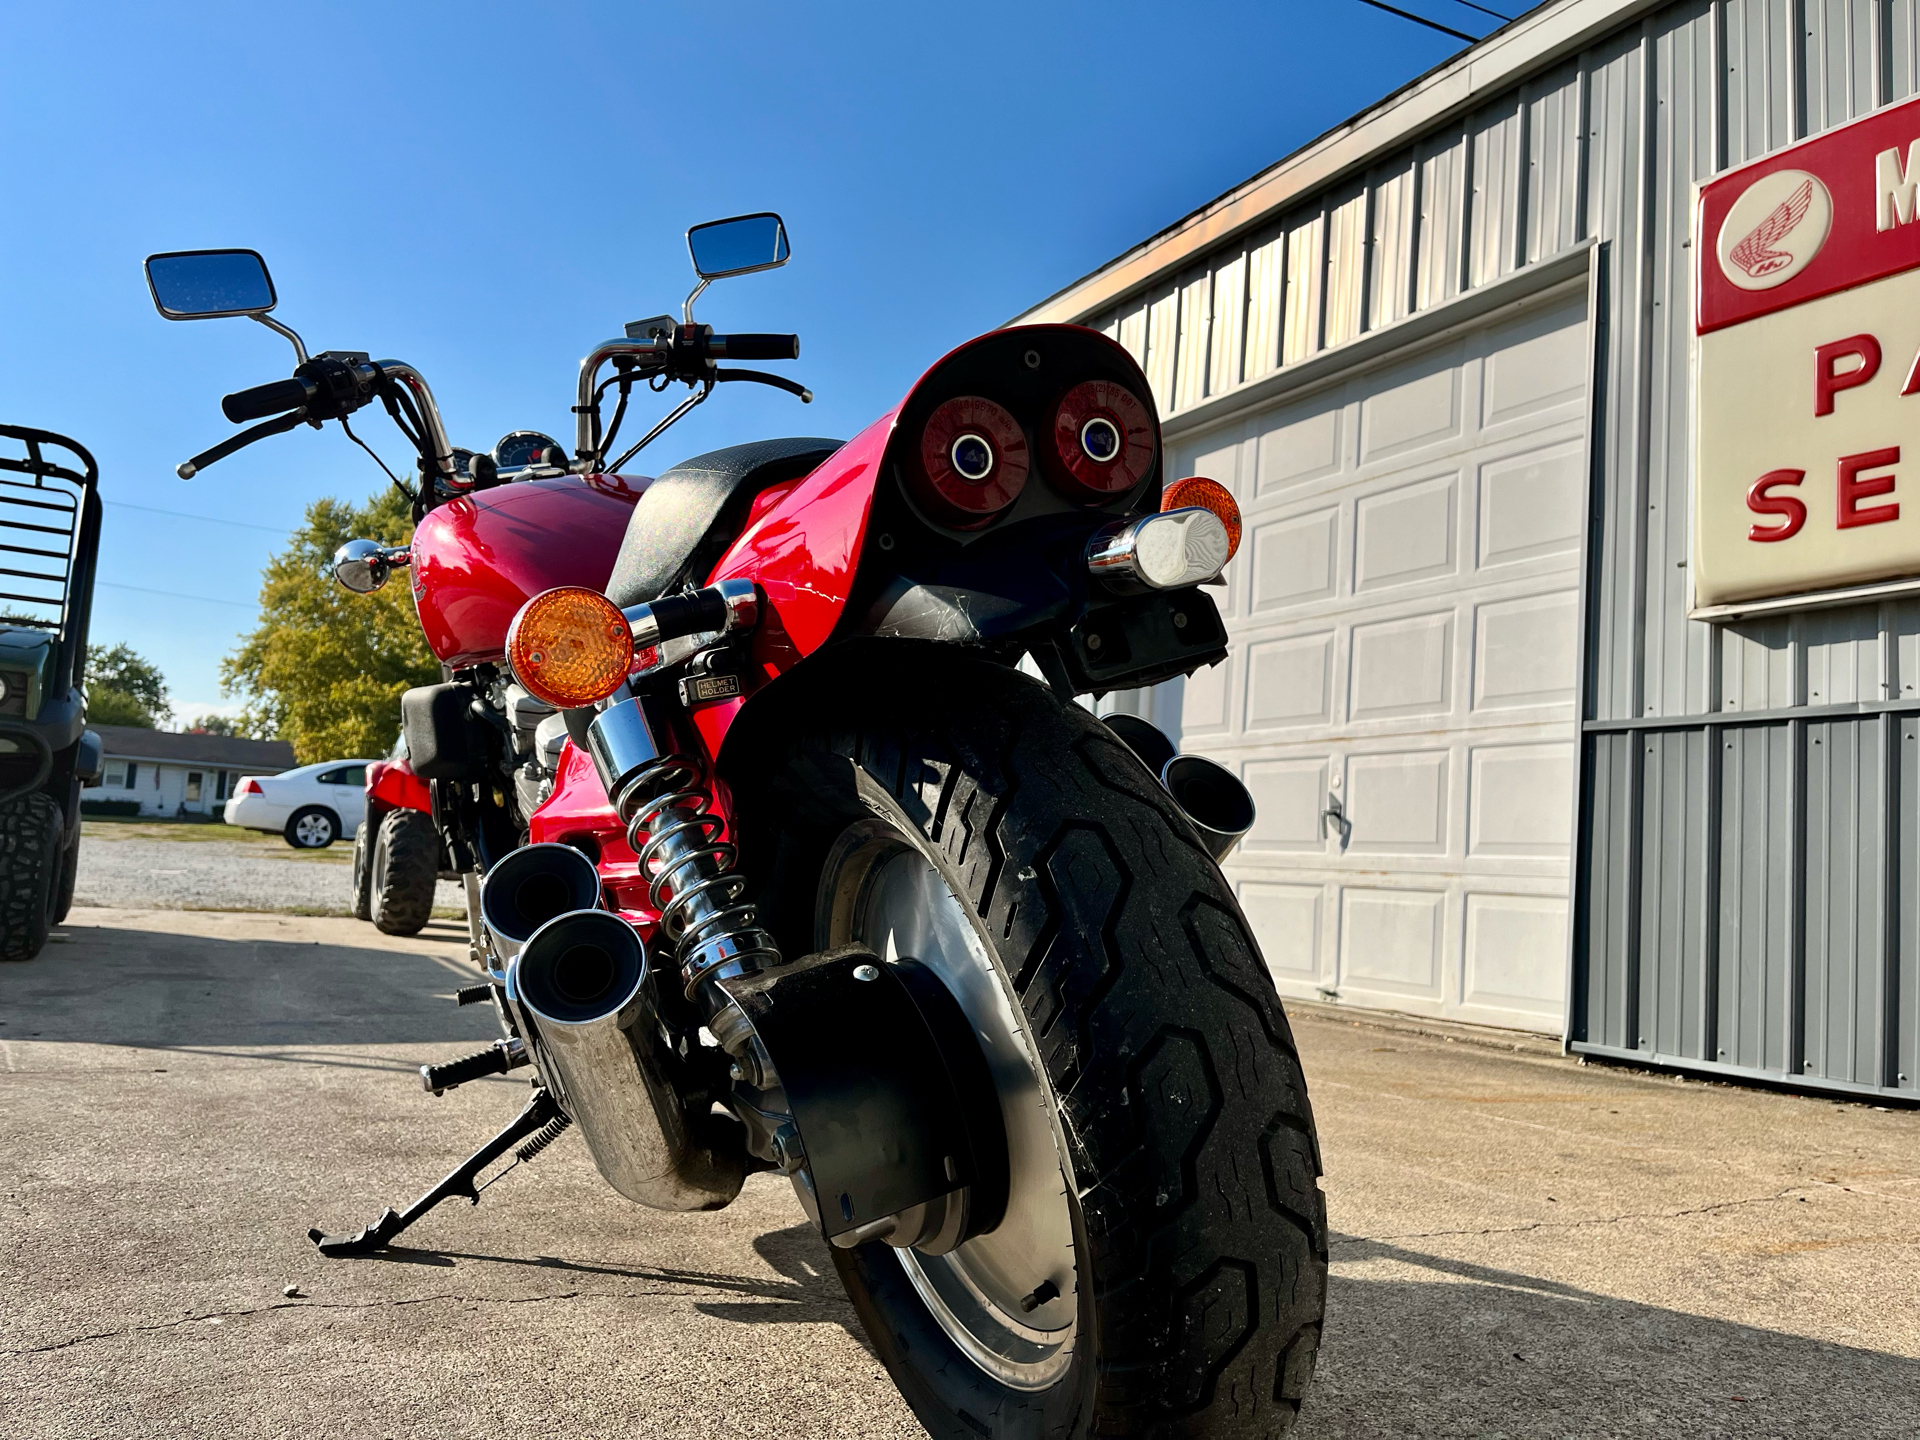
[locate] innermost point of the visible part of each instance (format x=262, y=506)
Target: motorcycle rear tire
x=405, y=865
x=1171, y=1085
x=30, y=855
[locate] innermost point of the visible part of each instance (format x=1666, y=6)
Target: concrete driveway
x=1522, y=1245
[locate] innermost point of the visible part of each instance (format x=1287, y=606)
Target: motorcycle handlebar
x=269, y=399
x=754, y=347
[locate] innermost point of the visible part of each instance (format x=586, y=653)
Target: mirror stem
x=299, y=346
x=686, y=311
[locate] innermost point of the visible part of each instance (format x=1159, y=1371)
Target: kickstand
x=540, y=1110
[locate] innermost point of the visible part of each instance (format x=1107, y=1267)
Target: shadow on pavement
x=115, y=986
x=1478, y=1350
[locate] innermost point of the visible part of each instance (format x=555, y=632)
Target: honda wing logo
x=1774, y=229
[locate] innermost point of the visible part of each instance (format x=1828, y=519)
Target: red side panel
x=803, y=549
x=578, y=809
x=393, y=784
x=478, y=559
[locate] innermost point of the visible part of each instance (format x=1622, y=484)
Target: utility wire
x=174, y=594
x=1422, y=20
x=204, y=519
x=1483, y=10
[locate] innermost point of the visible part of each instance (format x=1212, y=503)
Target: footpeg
x=473, y=995
x=496, y=1059
x=539, y=1117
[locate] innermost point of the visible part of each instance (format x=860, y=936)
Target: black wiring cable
x=376, y=459
x=1484, y=10
x=1422, y=20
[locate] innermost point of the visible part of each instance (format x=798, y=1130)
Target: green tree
x=213, y=725
x=124, y=688
x=325, y=669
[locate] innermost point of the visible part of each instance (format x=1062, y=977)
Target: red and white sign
x=1807, y=366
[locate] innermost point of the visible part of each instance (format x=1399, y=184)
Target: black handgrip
x=268, y=399
x=756, y=347
x=678, y=615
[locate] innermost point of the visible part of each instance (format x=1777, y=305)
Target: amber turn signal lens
x=570, y=646
x=1207, y=495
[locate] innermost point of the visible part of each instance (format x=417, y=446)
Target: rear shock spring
x=692, y=879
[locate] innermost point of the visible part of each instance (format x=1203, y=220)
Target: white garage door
x=1400, y=696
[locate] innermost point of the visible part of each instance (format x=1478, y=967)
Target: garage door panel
x=1520, y=800
x=1406, y=533
x=1390, y=940
x=1204, y=698
x=1415, y=407
x=1397, y=803
x=1535, y=367
x=1286, y=918
x=1530, y=504
x=1301, y=443
x=1290, y=681
x=1402, y=667
x=1524, y=651
x=1506, y=936
x=1295, y=559
x=1289, y=797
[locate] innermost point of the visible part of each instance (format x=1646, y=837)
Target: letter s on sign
x=1791, y=508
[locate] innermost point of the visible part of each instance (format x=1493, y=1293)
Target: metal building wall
x=1745, y=880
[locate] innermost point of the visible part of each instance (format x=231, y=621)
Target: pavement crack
x=1774, y=1198
x=202, y=1318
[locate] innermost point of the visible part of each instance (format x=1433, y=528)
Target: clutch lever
x=276, y=426
x=760, y=377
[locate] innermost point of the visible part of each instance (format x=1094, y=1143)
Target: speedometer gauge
x=521, y=449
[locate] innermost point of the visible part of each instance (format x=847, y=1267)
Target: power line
x=204, y=519
x=174, y=594
x=1484, y=10
x=1422, y=20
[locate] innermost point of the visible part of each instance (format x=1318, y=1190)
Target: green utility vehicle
x=49, y=540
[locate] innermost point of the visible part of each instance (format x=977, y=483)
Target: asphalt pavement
x=1522, y=1246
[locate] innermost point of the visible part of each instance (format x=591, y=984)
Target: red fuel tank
x=477, y=560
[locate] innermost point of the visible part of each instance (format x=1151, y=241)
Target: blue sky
x=487, y=190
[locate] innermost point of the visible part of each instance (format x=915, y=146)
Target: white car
x=312, y=806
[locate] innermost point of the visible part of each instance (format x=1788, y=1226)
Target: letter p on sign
x=1829, y=380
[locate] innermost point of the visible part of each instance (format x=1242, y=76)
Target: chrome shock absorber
x=664, y=797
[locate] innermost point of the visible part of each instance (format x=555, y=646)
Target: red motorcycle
x=777, y=861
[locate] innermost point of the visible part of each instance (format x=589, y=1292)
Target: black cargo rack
x=49, y=542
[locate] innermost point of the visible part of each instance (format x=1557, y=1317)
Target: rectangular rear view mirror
x=739, y=246
x=208, y=284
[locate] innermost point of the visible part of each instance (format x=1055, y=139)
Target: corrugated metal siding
x=1742, y=897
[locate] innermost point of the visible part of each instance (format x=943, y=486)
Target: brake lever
x=760, y=377
x=276, y=426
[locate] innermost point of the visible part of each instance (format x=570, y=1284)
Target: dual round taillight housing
x=974, y=459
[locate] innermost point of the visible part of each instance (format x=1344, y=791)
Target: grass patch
x=112, y=827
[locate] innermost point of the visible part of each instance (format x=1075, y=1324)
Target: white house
x=171, y=774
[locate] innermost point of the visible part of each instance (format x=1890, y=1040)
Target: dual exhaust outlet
x=576, y=976
x=1212, y=797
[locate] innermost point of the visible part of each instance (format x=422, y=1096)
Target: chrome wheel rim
x=313, y=831
x=884, y=892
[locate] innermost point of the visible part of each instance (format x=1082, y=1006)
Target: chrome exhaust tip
x=1212, y=798
x=582, y=979
x=585, y=967
x=529, y=887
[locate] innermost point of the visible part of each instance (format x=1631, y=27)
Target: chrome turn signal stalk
x=1164, y=551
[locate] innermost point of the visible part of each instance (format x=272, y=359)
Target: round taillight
x=1206, y=494
x=973, y=461
x=570, y=646
x=1102, y=440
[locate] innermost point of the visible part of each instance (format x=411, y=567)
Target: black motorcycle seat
x=686, y=518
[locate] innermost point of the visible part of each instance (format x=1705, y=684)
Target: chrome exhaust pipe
x=529, y=887
x=581, y=978
x=1212, y=797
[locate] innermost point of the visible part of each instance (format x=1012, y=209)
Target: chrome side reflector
x=1167, y=551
